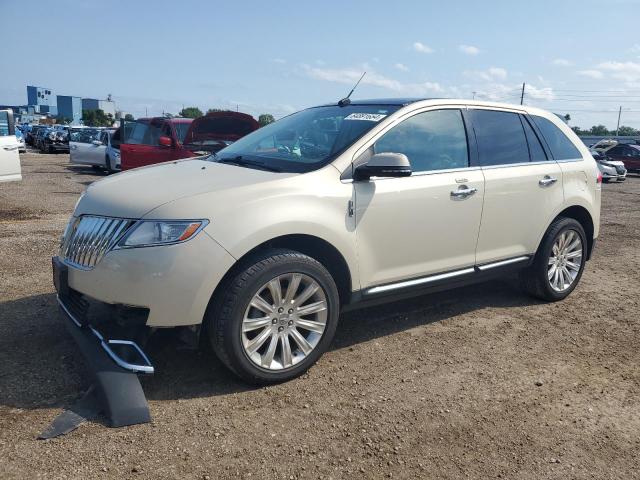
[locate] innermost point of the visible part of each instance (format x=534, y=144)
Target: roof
x=400, y=102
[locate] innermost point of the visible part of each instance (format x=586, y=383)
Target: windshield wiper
x=242, y=162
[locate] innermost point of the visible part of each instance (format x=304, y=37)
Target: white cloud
x=561, y=62
x=350, y=76
x=469, y=49
x=401, y=67
x=422, y=48
x=597, y=74
x=627, y=71
x=491, y=74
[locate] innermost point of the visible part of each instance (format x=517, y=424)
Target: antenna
x=345, y=101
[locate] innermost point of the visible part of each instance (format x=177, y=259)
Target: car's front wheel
x=274, y=317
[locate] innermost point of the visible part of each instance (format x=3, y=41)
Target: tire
x=536, y=278
x=232, y=309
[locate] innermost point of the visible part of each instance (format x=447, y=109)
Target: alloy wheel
x=284, y=321
x=565, y=260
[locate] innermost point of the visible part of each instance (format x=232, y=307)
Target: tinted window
x=4, y=124
x=560, y=146
x=500, y=136
x=142, y=132
x=536, y=152
x=434, y=140
x=616, y=150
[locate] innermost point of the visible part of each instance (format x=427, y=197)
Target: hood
x=134, y=193
x=219, y=127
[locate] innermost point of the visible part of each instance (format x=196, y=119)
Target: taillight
x=599, y=180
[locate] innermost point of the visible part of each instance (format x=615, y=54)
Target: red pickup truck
x=159, y=139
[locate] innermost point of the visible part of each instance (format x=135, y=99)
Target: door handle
x=463, y=192
x=547, y=180
x=11, y=148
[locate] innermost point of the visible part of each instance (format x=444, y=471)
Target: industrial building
x=107, y=106
x=70, y=108
x=42, y=99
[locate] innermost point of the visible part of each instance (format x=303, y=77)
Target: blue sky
x=580, y=57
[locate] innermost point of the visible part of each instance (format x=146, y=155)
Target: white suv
x=332, y=207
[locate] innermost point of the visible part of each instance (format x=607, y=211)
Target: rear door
x=9, y=156
x=140, y=144
x=523, y=185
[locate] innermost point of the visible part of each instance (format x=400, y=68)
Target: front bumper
x=174, y=282
x=125, y=353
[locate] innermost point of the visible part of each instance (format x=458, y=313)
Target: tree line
x=195, y=112
x=602, y=131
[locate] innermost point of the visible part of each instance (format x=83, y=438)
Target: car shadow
x=86, y=170
x=41, y=368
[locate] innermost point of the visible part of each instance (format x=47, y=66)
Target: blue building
x=42, y=99
x=70, y=108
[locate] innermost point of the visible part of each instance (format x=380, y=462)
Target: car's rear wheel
x=274, y=317
x=559, y=262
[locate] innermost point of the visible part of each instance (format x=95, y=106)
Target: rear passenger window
x=500, y=137
x=536, y=152
x=561, y=147
x=433, y=140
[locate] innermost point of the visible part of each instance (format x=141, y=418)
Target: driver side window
x=433, y=140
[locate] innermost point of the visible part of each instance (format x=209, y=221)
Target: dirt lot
x=481, y=382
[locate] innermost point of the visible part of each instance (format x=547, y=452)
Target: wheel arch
x=581, y=215
x=319, y=249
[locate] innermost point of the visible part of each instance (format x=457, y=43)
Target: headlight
x=158, y=232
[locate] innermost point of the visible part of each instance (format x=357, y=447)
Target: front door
x=522, y=185
x=9, y=156
x=82, y=146
x=424, y=224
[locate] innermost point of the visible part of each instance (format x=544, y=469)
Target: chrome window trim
x=420, y=174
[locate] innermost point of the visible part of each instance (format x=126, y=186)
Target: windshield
x=181, y=129
x=306, y=140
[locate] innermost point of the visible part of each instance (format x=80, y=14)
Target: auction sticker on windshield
x=371, y=117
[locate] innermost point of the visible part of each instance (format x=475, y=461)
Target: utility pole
x=619, y=113
x=474, y=95
x=146, y=112
x=522, y=95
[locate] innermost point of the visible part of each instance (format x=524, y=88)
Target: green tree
x=567, y=117
x=63, y=120
x=599, y=130
x=129, y=117
x=214, y=110
x=97, y=118
x=265, y=119
x=191, y=112
x=578, y=131
x=627, y=131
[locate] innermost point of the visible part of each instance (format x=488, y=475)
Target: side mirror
x=97, y=143
x=384, y=165
x=165, y=141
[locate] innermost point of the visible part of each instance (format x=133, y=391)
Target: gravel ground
x=480, y=382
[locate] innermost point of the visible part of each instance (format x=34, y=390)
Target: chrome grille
x=88, y=238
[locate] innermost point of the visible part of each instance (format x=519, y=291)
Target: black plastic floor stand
x=115, y=392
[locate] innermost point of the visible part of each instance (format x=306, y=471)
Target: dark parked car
x=628, y=154
x=32, y=133
x=55, y=140
x=39, y=135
